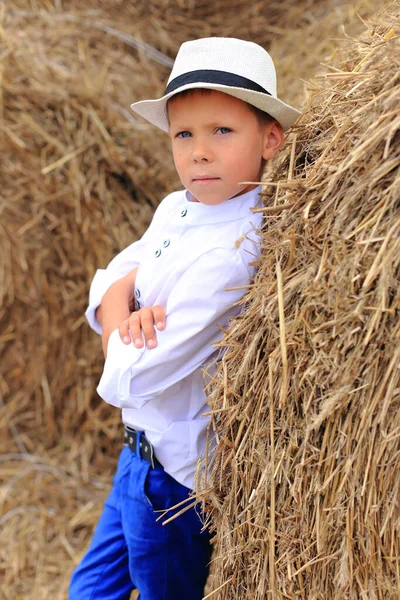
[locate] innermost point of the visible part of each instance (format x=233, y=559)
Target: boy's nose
x=201, y=153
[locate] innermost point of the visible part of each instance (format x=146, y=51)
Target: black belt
x=146, y=450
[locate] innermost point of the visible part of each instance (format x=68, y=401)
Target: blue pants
x=130, y=549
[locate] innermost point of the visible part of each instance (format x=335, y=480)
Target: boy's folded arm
x=198, y=302
x=115, y=305
x=124, y=262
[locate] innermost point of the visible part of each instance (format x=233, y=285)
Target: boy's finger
x=124, y=332
x=147, y=324
x=159, y=316
x=135, y=329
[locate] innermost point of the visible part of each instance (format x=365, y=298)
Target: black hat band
x=217, y=77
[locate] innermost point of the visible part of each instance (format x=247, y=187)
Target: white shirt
x=187, y=258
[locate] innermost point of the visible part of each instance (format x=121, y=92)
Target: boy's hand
x=146, y=320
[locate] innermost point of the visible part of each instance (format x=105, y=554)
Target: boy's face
x=218, y=144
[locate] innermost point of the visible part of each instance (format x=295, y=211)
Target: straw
x=303, y=489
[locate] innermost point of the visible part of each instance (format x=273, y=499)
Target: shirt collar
x=236, y=208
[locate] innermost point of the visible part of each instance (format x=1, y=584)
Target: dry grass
x=80, y=180
x=304, y=485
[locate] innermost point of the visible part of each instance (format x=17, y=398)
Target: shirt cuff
x=101, y=282
x=114, y=385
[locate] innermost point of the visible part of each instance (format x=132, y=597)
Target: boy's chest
x=170, y=251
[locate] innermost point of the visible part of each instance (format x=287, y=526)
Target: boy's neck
x=247, y=190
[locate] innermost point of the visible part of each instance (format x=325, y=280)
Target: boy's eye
x=223, y=130
x=183, y=134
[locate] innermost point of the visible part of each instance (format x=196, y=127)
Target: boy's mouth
x=205, y=179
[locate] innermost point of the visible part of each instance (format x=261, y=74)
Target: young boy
x=181, y=279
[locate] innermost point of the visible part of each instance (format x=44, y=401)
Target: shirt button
x=137, y=305
x=184, y=212
x=157, y=253
x=166, y=243
x=137, y=293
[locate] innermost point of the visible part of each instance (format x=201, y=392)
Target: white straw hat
x=236, y=67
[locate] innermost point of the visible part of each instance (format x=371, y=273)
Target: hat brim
x=155, y=111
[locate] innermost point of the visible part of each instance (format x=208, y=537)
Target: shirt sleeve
x=198, y=302
x=124, y=262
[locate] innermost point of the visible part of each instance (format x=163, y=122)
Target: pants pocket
x=162, y=492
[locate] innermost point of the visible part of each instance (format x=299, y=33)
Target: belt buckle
x=146, y=450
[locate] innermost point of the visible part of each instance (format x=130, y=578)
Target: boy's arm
x=197, y=303
x=119, y=268
x=124, y=262
x=115, y=306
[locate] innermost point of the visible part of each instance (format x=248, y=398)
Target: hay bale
x=77, y=187
x=78, y=184
x=166, y=24
x=303, y=488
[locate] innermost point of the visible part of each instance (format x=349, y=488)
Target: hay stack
x=304, y=486
x=78, y=184
x=165, y=24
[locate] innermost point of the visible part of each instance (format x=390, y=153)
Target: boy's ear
x=273, y=139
